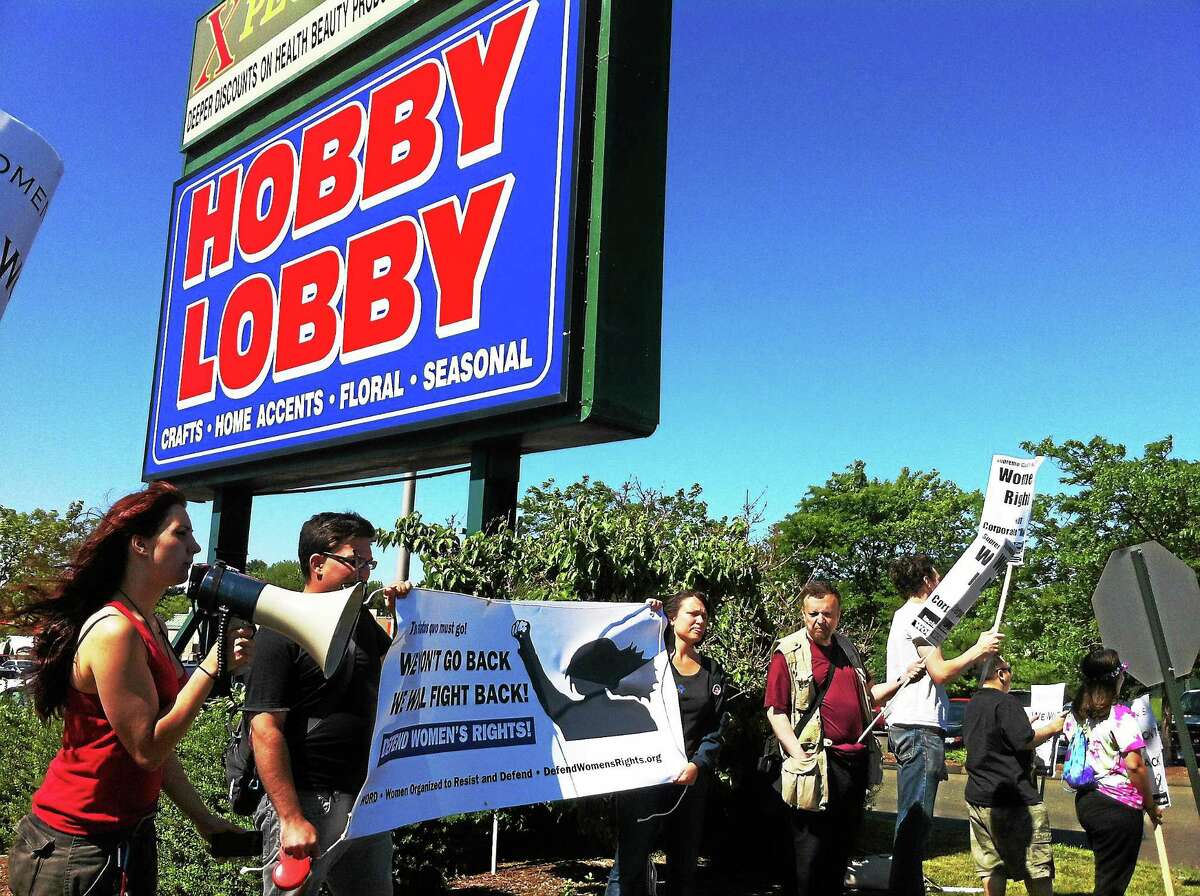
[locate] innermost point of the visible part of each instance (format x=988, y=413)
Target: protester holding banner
x=819, y=698
x=676, y=809
x=1105, y=767
x=1010, y=827
x=311, y=736
x=916, y=725
x=104, y=664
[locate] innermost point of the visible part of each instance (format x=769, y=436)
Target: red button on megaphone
x=291, y=873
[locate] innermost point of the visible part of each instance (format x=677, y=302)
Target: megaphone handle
x=222, y=632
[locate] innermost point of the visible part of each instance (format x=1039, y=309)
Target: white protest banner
x=1045, y=705
x=29, y=173
x=1153, y=752
x=960, y=588
x=1008, y=502
x=486, y=704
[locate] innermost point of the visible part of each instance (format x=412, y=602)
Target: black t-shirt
x=695, y=706
x=999, y=770
x=332, y=752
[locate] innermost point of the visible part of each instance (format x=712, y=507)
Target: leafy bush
x=28, y=748
x=184, y=865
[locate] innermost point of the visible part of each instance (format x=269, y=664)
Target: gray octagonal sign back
x=1122, y=616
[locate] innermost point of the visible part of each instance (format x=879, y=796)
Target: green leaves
x=34, y=546
x=1111, y=501
x=588, y=541
x=283, y=573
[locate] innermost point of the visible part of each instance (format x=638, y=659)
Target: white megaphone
x=320, y=623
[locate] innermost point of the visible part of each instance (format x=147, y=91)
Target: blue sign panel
x=395, y=257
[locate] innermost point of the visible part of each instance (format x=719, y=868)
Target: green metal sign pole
x=1170, y=681
x=495, y=474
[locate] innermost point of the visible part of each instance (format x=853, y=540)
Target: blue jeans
x=921, y=765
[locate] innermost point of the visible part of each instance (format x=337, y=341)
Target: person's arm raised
x=116, y=657
x=942, y=670
x=553, y=701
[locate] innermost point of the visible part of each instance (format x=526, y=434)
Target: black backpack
x=245, y=787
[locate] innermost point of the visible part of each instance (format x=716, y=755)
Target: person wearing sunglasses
x=1010, y=828
x=311, y=737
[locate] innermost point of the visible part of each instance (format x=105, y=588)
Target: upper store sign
x=246, y=49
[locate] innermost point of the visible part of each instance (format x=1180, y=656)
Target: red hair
x=59, y=608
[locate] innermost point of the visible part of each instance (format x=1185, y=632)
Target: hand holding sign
x=914, y=672
x=989, y=643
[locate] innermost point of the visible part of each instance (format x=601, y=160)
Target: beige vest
x=805, y=783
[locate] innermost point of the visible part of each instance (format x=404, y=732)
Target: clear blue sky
x=914, y=233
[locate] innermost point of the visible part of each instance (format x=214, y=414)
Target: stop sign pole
x=1170, y=681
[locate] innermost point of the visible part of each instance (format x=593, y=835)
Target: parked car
x=954, y=722
x=1025, y=697
x=957, y=712
x=1191, y=717
x=13, y=673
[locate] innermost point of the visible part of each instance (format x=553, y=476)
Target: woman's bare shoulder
x=105, y=626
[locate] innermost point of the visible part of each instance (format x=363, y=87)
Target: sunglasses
x=354, y=561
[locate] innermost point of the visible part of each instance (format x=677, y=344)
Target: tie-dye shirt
x=1108, y=744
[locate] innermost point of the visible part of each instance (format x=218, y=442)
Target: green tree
x=850, y=529
x=282, y=573
x=35, y=546
x=1110, y=500
x=588, y=541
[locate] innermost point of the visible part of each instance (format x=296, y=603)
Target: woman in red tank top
x=105, y=666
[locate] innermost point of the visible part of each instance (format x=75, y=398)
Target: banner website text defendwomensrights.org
x=485, y=704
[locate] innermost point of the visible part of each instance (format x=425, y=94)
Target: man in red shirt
x=825, y=770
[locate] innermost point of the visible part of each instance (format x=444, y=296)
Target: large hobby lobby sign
x=395, y=256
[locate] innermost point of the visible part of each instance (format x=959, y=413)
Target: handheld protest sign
x=1045, y=705
x=1008, y=501
x=29, y=173
x=1007, y=509
x=1148, y=725
x=960, y=589
x=485, y=704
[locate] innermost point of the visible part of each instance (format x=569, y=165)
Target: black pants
x=1114, y=833
x=822, y=841
x=681, y=831
x=45, y=861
